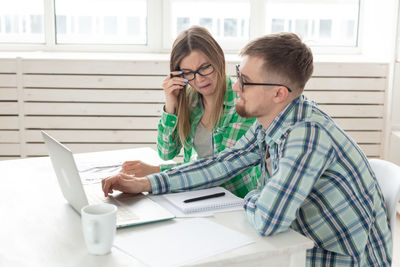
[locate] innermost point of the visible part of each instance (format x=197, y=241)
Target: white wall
x=394, y=111
x=378, y=36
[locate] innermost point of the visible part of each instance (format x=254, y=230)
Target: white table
x=38, y=227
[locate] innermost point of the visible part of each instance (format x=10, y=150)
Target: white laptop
x=132, y=209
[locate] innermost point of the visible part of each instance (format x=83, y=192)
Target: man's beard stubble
x=241, y=111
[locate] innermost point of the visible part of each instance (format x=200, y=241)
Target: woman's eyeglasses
x=202, y=71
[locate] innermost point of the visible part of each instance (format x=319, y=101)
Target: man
x=315, y=179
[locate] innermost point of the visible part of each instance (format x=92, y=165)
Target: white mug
x=98, y=225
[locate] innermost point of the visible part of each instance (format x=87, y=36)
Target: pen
x=204, y=197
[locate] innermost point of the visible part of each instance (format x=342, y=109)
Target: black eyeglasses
x=242, y=83
x=202, y=71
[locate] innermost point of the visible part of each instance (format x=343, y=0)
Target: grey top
x=202, y=141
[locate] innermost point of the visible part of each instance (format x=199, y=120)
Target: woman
x=199, y=113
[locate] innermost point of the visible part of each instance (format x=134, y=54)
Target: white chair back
x=388, y=176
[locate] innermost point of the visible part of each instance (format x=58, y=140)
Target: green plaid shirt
x=320, y=184
x=228, y=131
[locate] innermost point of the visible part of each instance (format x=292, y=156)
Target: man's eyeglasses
x=242, y=83
x=202, y=71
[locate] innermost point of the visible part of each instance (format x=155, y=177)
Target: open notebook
x=229, y=200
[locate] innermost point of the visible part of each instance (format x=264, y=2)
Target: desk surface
x=39, y=228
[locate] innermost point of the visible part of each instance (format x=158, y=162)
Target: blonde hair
x=200, y=39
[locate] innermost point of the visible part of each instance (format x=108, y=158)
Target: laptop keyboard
x=123, y=213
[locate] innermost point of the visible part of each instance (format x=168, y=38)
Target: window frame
x=158, y=19
x=154, y=21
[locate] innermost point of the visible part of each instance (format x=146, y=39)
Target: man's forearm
x=209, y=172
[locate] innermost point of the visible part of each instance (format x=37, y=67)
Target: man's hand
x=125, y=183
x=139, y=168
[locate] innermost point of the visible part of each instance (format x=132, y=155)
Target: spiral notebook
x=229, y=200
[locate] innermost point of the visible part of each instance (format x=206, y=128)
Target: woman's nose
x=199, y=78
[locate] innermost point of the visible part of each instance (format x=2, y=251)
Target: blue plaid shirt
x=320, y=185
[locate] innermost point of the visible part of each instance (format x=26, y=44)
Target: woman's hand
x=172, y=87
x=139, y=168
x=125, y=183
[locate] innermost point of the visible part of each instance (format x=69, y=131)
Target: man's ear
x=281, y=94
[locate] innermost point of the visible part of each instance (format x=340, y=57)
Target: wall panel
x=94, y=105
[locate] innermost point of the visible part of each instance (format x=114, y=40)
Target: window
x=228, y=21
x=277, y=25
x=22, y=21
x=319, y=23
x=301, y=27
x=110, y=22
x=182, y=23
x=152, y=25
x=325, y=28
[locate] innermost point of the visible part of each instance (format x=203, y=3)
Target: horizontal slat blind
x=40, y=150
x=102, y=67
x=90, y=95
x=346, y=84
x=8, y=80
x=94, y=105
x=91, y=109
x=342, y=69
x=92, y=81
x=8, y=66
x=9, y=110
x=8, y=94
x=96, y=136
x=94, y=123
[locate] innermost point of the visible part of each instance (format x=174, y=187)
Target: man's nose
x=236, y=87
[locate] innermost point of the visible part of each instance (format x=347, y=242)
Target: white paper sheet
x=181, y=242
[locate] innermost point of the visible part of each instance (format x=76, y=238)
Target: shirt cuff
x=167, y=119
x=249, y=201
x=159, y=183
x=251, y=194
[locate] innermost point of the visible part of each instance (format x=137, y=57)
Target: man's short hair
x=285, y=55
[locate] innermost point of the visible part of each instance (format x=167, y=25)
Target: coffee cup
x=99, y=227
